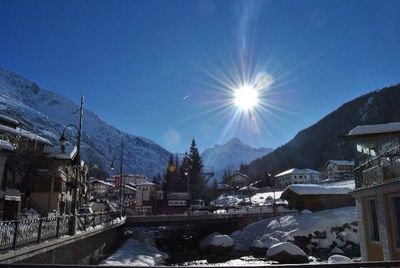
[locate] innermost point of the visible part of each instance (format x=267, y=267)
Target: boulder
x=287, y=253
x=261, y=246
x=217, y=243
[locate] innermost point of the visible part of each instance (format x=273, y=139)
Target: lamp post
x=77, y=162
x=121, y=185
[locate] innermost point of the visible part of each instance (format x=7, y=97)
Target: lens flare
x=246, y=98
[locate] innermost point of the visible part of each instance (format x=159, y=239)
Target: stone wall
x=85, y=248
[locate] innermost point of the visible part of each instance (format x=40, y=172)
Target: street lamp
x=77, y=162
x=121, y=185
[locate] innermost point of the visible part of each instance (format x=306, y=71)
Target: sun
x=246, y=98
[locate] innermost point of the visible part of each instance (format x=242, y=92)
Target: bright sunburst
x=246, y=98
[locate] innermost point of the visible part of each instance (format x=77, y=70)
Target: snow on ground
x=286, y=227
x=259, y=199
x=243, y=261
x=135, y=253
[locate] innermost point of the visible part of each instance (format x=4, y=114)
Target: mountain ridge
x=46, y=113
x=313, y=146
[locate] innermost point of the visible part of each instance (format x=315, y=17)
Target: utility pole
x=77, y=171
x=121, y=185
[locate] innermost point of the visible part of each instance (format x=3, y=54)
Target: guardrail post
x=58, y=227
x=39, y=230
x=15, y=235
x=84, y=222
x=94, y=220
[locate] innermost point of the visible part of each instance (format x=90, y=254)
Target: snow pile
x=264, y=198
x=324, y=227
x=216, y=240
x=287, y=247
x=227, y=201
x=135, y=253
x=338, y=259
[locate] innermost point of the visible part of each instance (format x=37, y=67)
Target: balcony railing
x=382, y=168
x=19, y=233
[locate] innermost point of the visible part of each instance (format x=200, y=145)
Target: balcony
x=380, y=169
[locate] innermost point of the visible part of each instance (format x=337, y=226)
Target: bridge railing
x=18, y=233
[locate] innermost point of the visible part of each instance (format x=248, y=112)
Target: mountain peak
x=230, y=155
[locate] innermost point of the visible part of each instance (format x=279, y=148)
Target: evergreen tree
x=183, y=178
x=198, y=183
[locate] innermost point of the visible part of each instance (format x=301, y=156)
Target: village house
x=316, y=197
x=19, y=149
x=34, y=175
x=146, y=194
x=296, y=176
x=338, y=170
x=377, y=193
x=238, y=180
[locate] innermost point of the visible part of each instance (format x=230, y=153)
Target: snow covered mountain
x=229, y=156
x=46, y=113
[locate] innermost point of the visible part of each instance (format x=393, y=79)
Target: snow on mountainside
x=46, y=113
x=230, y=155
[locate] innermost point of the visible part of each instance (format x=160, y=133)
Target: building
x=52, y=190
x=296, y=176
x=21, y=156
x=129, y=178
x=99, y=188
x=146, y=194
x=338, y=170
x=316, y=197
x=238, y=180
x=377, y=192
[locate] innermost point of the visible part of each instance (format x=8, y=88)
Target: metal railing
x=382, y=168
x=17, y=233
x=386, y=264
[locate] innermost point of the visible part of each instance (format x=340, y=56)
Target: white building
x=339, y=170
x=296, y=176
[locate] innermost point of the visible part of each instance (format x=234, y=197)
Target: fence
x=18, y=233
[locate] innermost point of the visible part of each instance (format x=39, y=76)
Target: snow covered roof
x=249, y=188
x=342, y=162
x=9, y=119
x=127, y=186
x=240, y=174
x=103, y=182
x=66, y=155
x=296, y=170
x=375, y=129
x=146, y=184
x=314, y=189
x=25, y=134
x=6, y=146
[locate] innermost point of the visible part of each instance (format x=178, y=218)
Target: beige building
x=377, y=192
x=238, y=180
x=338, y=170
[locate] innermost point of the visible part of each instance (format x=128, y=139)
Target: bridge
x=241, y=217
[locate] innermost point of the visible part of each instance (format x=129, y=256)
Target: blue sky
x=160, y=69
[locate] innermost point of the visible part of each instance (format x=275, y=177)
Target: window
x=396, y=219
x=373, y=220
